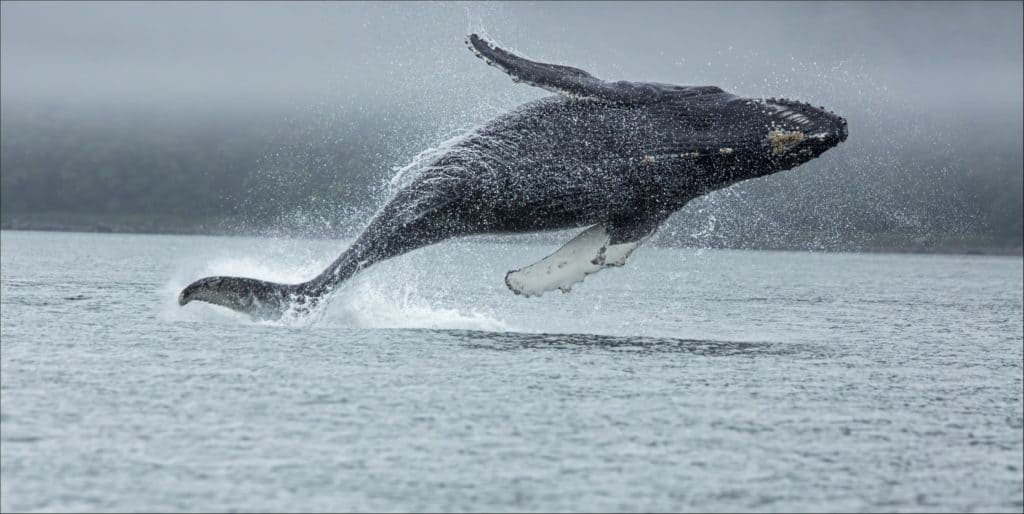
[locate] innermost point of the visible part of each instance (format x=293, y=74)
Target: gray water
x=687, y=380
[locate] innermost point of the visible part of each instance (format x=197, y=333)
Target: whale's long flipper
x=600, y=246
x=564, y=80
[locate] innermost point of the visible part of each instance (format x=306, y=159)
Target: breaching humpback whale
x=616, y=157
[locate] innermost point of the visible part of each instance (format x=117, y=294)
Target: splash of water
x=376, y=304
x=394, y=294
x=404, y=175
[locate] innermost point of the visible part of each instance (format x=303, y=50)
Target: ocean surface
x=688, y=380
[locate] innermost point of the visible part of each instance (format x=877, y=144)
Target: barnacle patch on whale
x=783, y=140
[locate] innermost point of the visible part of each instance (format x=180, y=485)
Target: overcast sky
x=940, y=74
x=942, y=56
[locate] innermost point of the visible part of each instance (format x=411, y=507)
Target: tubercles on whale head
x=814, y=123
x=796, y=132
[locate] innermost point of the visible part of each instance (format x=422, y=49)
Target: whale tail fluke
x=258, y=298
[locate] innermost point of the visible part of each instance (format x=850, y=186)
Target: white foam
x=374, y=303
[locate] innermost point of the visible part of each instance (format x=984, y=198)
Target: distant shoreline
x=949, y=247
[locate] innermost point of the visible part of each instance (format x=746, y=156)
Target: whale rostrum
x=616, y=157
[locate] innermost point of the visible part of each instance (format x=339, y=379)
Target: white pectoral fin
x=587, y=253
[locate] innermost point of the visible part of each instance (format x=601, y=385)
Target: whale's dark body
x=622, y=156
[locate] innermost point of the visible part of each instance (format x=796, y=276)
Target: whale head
x=729, y=138
x=724, y=138
x=791, y=132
